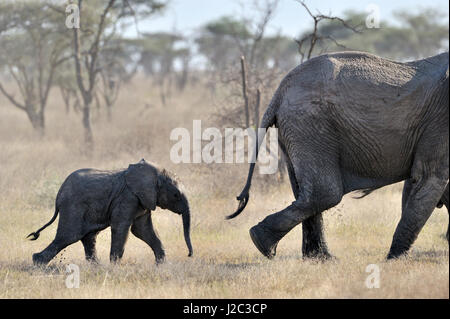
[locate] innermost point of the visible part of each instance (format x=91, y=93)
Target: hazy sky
x=290, y=18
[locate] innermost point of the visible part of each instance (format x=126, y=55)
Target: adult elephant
x=352, y=121
x=91, y=200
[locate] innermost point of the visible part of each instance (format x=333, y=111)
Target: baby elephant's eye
x=177, y=195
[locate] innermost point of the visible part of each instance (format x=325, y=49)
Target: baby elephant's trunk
x=186, y=215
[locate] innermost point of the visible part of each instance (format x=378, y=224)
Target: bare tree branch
x=314, y=36
x=11, y=98
x=262, y=25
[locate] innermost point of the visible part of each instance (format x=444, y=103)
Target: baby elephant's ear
x=141, y=179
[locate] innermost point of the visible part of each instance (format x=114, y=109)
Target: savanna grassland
x=225, y=262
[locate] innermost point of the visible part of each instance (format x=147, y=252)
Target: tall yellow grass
x=226, y=264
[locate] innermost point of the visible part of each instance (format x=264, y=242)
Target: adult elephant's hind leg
x=315, y=194
x=142, y=228
x=314, y=244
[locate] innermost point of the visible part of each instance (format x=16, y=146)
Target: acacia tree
x=157, y=58
x=99, y=21
x=66, y=82
x=185, y=56
x=221, y=41
x=239, y=53
x=158, y=53
x=416, y=34
x=113, y=74
x=34, y=45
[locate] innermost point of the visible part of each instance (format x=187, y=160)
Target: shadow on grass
x=238, y=266
x=28, y=267
x=310, y=260
x=54, y=268
x=433, y=256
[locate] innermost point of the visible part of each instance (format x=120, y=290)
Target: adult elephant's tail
x=267, y=121
x=36, y=233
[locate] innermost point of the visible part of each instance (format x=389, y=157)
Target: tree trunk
x=66, y=98
x=37, y=120
x=162, y=93
x=109, y=112
x=244, y=92
x=183, y=79
x=88, y=137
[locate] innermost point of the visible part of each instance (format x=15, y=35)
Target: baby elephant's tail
x=35, y=235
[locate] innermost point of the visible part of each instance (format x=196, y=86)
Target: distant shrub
x=45, y=191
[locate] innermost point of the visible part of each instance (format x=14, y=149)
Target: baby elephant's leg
x=122, y=216
x=119, y=236
x=143, y=229
x=58, y=244
x=68, y=232
x=89, y=246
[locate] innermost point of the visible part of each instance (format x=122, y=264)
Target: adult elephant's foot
x=316, y=250
x=395, y=255
x=321, y=255
x=314, y=245
x=265, y=240
x=397, y=252
x=39, y=260
x=93, y=260
x=160, y=260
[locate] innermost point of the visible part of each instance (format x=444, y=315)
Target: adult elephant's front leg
x=421, y=202
x=143, y=229
x=445, y=201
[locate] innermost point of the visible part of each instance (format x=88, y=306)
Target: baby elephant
x=90, y=200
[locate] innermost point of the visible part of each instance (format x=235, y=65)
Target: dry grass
x=226, y=264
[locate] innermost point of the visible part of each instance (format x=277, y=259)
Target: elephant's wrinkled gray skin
x=90, y=200
x=351, y=121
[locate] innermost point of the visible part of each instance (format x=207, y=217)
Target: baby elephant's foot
x=265, y=240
